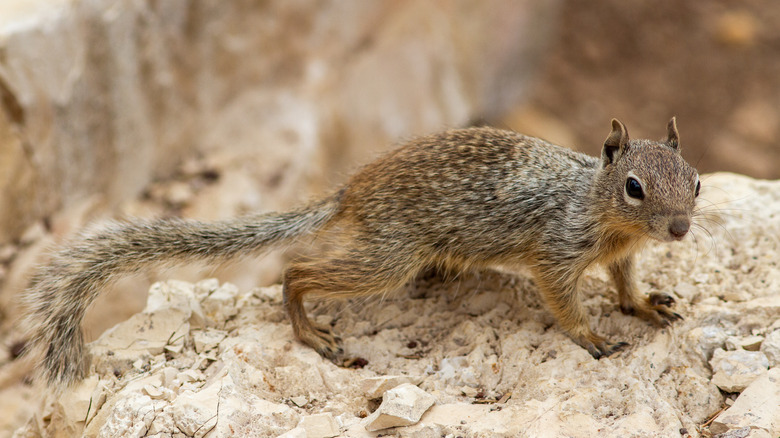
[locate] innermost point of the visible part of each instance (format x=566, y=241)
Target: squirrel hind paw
x=599, y=347
x=327, y=344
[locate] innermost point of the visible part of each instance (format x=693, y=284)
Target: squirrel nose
x=679, y=227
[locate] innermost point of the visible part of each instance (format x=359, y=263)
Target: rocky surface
x=215, y=360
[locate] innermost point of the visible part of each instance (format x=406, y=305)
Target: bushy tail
x=62, y=291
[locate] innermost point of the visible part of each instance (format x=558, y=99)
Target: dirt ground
x=715, y=65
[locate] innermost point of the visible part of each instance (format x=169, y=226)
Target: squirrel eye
x=698, y=187
x=634, y=189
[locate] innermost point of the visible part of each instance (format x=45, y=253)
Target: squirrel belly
x=463, y=198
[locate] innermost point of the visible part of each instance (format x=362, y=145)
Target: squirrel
x=472, y=197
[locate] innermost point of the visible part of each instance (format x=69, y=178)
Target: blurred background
x=205, y=109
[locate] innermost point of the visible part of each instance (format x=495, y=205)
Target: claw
x=598, y=347
x=661, y=299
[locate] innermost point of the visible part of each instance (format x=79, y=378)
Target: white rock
x=686, y=291
x=139, y=338
x=189, y=376
x=320, y=426
x=296, y=432
x=299, y=400
x=195, y=413
x=758, y=408
x=221, y=304
x=205, y=287
x=733, y=371
x=168, y=376
x=132, y=416
x=242, y=413
x=79, y=403
x=771, y=348
x=207, y=339
x=707, y=339
x=153, y=391
x=749, y=343
x=375, y=387
x=401, y=406
x=457, y=371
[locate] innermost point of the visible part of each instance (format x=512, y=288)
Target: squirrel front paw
x=654, y=308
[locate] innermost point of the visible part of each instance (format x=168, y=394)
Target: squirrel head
x=649, y=187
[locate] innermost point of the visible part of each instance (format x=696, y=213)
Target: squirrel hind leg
x=331, y=278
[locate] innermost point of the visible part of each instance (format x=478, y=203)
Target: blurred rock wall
x=99, y=97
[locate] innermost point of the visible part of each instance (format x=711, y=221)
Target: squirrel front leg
x=562, y=298
x=653, y=308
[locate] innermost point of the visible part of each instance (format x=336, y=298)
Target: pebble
x=320, y=426
x=401, y=406
x=749, y=343
x=375, y=387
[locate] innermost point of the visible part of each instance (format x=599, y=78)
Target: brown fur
x=463, y=198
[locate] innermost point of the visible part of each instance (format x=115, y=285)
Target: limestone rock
x=758, y=408
x=749, y=343
x=195, y=413
x=320, y=426
x=771, y=348
x=707, y=339
x=121, y=346
x=375, y=387
x=401, y=406
x=735, y=370
x=220, y=304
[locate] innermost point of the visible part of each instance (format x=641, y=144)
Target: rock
x=707, y=339
x=375, y=387
x=771, y=348
x=733, y=371
x=687, y=291
x=80, y=404
x=457, y=371
x=121, y=346
x=242, y=413
x=401, y=406
x=207, y=339
x=134, y=415
x=757, y=408
x=297, y=432
x=320, y=426
x=749, y=343
x=195, y=413
x=220, y=304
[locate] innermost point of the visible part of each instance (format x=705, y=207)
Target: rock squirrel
x=463, y=198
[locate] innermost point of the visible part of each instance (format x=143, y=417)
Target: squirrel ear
x=673, y=137
x=615, y=144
